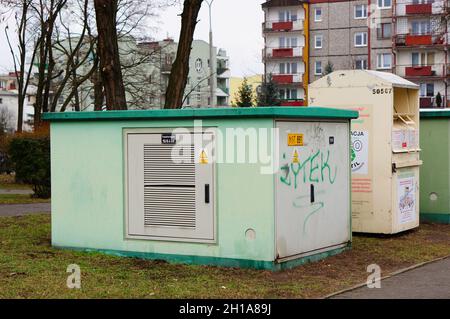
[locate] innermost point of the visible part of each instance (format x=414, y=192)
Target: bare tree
x=26, y=47
x=108, y=51
x=180, y=69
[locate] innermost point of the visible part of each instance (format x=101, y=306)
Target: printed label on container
x=360, y=152
x=295, y=140
x=406, y=199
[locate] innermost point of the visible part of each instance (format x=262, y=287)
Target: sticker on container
x=295, y=140
x=406, y=199
x=203, y=157
x=295, y=158
x=360, y=152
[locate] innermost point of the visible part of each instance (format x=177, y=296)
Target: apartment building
x=285, y=54
x=9, y=104
x=198, y=89
x=353, y=34
x=420, y=47
x=146, y=70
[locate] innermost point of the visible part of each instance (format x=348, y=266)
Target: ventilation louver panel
x=169, y=181
x=162, y=166
x=169, y=206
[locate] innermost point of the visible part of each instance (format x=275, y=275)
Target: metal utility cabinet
x=385, y=146
x=435, y=172
x=267, y=188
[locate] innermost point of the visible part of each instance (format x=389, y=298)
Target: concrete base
x=217, y=261
x=437, y=218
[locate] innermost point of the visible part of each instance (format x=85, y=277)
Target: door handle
x=312, y=194
x=207, y=195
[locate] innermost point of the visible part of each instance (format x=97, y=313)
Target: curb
x=395, y=273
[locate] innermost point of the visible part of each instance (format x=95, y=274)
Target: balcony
x=425, y=8
x=287, y=78
x=282, y=26
x=414, y=72
x=426, y=102
x=412, y=40
x=418, y=71
x=282, y=53
x=292, y=103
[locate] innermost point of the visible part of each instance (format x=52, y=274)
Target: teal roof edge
x=434, y=113
x=259, y=112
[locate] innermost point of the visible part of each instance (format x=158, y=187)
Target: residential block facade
x=405, y=37
x=285, y=54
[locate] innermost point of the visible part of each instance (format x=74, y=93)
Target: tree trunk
x=180, y=68
x=108, y=51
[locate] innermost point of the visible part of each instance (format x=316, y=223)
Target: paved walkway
x=24, y=209
x=429, y=281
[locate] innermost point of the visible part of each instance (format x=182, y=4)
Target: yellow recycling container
x=385, y=146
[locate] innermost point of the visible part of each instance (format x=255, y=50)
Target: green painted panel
x=88, y=194
x=260, y=112
x=435, y=172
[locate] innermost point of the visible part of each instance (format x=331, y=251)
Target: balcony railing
x=282, y=53
x=415, y=71
x=296, y=102
x=277, y=26
x=287, y=78
x=438, y=7
x=410, y=40
x=425, y=8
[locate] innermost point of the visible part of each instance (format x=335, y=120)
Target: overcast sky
x=236, y=28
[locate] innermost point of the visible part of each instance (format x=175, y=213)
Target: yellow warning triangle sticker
x=203, y=157
x=295, y=160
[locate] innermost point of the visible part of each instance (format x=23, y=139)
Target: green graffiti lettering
x=313, y=168
x=286, y=179
x=325, y=166
x=297, y=171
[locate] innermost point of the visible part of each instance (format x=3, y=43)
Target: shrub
x=30, y=155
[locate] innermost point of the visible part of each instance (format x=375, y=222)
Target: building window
x=317, y=14
x=360, y=39
x=384, y=4
x=284, y=16
x=288, y=94
x=288, y=42
x=361, y=64
x=318, y=41
x=384, y=30
x=420, y=27
x=360, y=11
x=427, y=89
x=318, y=68
x=288, y=68
x=384, y=61
x=422, y=58
x=1, y=101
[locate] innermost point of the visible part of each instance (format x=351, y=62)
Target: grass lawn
x=8, y=182
x=20, y=199
x=31, y=268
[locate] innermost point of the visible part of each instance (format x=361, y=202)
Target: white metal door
x=312, y=187
x=170, y=186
